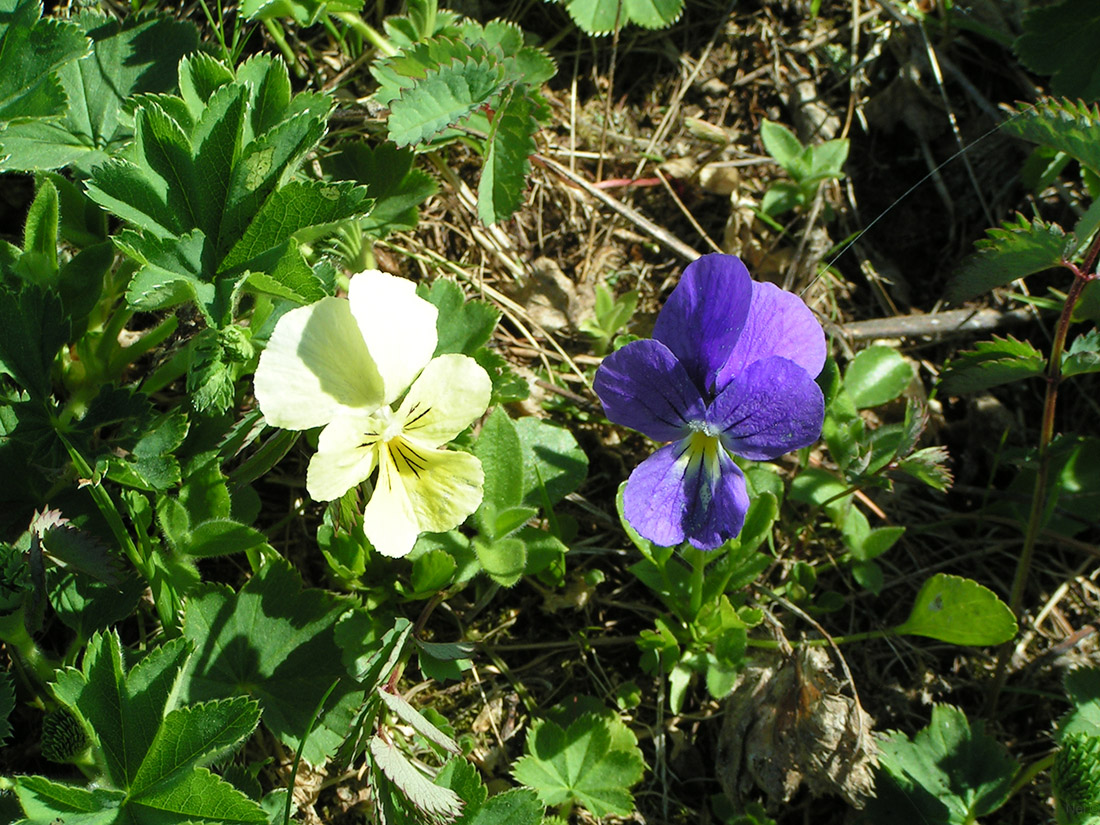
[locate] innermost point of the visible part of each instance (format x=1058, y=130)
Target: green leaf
x=1083, y=355
x=505, y=560
x=303, y=12
x=45, y=801
x=445, y=96
x=781, y=143
x=503, y=183
x=959, y=611
x=1075, y=780
x=33, y=329
x=396, y=188
x=581, y=765
x=598, y=17
x=517, y=806
x=948, y=774
x=197, y=735
x=438, y=803
x=431, y=572
x=124, y=708
x=273, y=641
x=201, y=797
x=463, y=326
x=877, y=375
x=400, y=707
x=31, y=50
x=554, y=465
x=1082, y=686
x=136, y=55
x=1014, y=250
x=991, y=364
x=40, y=235
x=928, y=465
x=1058, y=40
x=498, y=448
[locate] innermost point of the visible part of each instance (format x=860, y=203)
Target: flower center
x=389, y=425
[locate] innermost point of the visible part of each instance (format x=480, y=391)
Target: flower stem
x=698, y=561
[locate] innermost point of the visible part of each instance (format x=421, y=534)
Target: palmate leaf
x=31, y=50
x=598, y=17
x=274, y=641
x=581, y=764
x=517, y=806
x=1014, y=250
x=500, y=191
x=154, y=752
x=138, y=54
x=991, y=364
x=204, y=185
x=948, y=774
x=1073, y=128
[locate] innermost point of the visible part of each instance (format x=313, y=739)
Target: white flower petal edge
x=419, y=489
x=451, y=392
x=345, y=456
x=316, y=365
x=397, y=325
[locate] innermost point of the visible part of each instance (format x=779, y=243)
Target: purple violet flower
x=729, y=371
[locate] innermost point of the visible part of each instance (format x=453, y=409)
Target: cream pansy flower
x=342, y=365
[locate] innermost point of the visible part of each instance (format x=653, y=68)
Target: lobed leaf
x=1014, y=250
x=991, y=364
x=1060, y=40
x=32, y=49
x=445, y=96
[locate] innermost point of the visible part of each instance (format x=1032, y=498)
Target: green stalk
x=698, y=561
x=367, y=32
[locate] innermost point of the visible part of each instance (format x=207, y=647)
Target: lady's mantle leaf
x=1060, y=40
x=581, y=764
x=959, y=611
x=31, y=49
x=273, y=641
x=947, y=775
x=1083, y=689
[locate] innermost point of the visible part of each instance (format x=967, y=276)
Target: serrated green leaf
x=400, y=707
x=991, y=364
x=201, y=797
x=598, y=17
x=123, y=708
x=135, y=55
x=1075, y=780
x=33, y=328
x=196, y=735
x=503, y=183
x=1058, y=40
x=948, y=774
x=444, y=97
x=580, y=765
x=463, y=325
x=929, y=466
x=1083, y=355
x=432, y=800
x=959, y=611
x=877, y=375
x=45, y=801
x=31, y=50
x=1013, y=250
x=273, y=641
x=395, y=186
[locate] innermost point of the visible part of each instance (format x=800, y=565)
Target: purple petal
x=771, y=408
x=644, y=387
x=778, y=324
x=704, y=315
x=689, y=489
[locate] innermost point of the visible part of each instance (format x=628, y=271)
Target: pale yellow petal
x=451, y=393
x=345, y=457
x=315, y=366
x=389, y=520
x=397, y=325
x=445, y=486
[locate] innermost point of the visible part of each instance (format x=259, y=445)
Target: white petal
x=345, y=457
x=315, y=366
x=451, y=393
x=397, y=324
